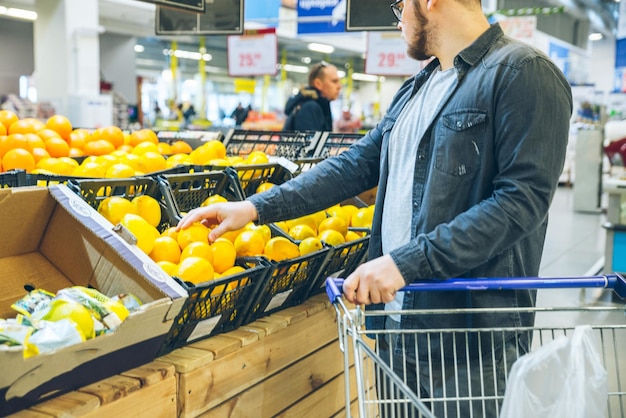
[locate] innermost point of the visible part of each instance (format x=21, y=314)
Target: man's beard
x=418, y=45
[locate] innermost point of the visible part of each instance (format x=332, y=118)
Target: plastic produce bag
x=562, y=379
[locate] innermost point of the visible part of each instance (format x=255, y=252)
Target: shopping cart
x=381, y=392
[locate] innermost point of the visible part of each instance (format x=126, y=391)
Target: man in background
x=309, y=110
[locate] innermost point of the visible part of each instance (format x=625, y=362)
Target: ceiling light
x=295, y=68
x=324, y=49
x=18, y=13
x=364, y=77
x=306, y=60
x=139, y=48
x=190, y=55
x=596, y=36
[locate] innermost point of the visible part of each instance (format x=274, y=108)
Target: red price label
x=386, y=55
x=251, y=55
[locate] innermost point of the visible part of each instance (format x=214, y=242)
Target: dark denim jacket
x=485, y=174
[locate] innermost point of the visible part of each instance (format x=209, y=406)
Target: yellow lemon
x=168, y=267
x=331, y=237
x=264, y=186
x=338, y=211
x=300, y=232
x=148, y=208
x=310, y=245
x=309, y=220
x=233, y=270
x=352, y=236
x=195, y=233
x=113, y=208
x=280, y=248
x=249, y=243
x=170, y=232
x=282, y=225
x=335, y=223
x=264, y=230
x=216, y=198
x=224, y=255
x=145, y=233
x=75, y=312
x=165, y=249
x=362, y=218
x=195, y=270
x=118, y=171
x=198, y=249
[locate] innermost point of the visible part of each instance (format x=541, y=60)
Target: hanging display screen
x=220, y=17
x=369, y=15
x=195, y=5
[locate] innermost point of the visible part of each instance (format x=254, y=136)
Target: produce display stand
x=334, y=143
x=288, y=144
x=13, y=178
x=193, y=138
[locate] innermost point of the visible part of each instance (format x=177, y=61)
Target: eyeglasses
x=315, y=72
x=396, y=8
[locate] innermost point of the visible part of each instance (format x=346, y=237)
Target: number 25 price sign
x=386, y=55
x=254, y=53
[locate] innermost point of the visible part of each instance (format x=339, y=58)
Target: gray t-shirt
x=403, y=143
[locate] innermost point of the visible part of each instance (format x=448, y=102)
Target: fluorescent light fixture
x=596, y=36
x=323, y=48
x=365, y=77
x=341, y=74
x=296, y=68
x=306, y=60
x=190, y=55
x=139, y=48
x=18, y=13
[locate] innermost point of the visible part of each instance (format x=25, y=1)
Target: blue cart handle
x=616, y=282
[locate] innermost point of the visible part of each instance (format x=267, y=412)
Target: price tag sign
x=386, y=55
x=253, y=54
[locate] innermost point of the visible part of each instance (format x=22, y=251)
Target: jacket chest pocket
x=458, y=142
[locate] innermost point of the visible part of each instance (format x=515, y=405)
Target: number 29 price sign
x=386, y=55
x=254, y=53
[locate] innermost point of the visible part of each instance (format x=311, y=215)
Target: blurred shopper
x=347, y=123
x=240, y=114
x=467, y=160
x=309, y=110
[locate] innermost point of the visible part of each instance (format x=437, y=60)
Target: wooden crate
x=147, y=391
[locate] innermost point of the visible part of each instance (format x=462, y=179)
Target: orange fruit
x=249, y=243
x=195, y=270
x=120, y=171
x=114, y=208
x=224, y=255
x=7, y=118
x=61, y=125
x=151, y=162
x=165, y=249
x=180, y=147
x=26, y=125
x=143, y=135
x=40, y=154
x=143, y=147
x=46, y=134
x=98, y=147
x=19, y=141
x=18, y=158
x=3, y=130
x=196, y=232
x=335, y=223
x=198, y=249
x=331, y=237
x=76, y=152
x=310, y=245
x=113, y=134
x=148, y=208
x=145, y=233
x=57, y=147
x=280, y=248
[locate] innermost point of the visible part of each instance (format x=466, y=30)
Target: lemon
x=352, y=236
x=165, y=249
x=195, y=233
x=249, y=243
x=362, y=218
x=282, y=225
x=309, y=220
x=75, y=312
x=168, y=267
x=339, y=212
x=195, y=270
x=264, y=186
x=198, y=249
x=233, y=270
x=264, y=230
x=145, y=233
x=113, y=208
x=216, y=198
x=280, y=248
x=331, y=237
x=300, y=232
x=224, y=255
x=310, y=245
x=349, y=210
x=256, y=157
x=148, y=208
x=335, y=223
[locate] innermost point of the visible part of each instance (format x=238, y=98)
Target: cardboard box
x=52, y=239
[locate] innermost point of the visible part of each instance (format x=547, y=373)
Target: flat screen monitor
x=220, y=17
x=369, y=15
x=194, y=5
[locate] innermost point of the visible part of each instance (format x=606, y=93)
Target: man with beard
x=466, y=160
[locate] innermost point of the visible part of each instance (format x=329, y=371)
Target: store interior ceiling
x=137, y=18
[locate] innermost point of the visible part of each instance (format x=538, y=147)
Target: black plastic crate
x=13, y=178
x=217, y=306
x=94, y=191
x=287, y=284
x=188, y=191
x=45, y=180
x=288, y=144
x=305, y=164
x=342, y=261
x=334, y=143
x=252, y=176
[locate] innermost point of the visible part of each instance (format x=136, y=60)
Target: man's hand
x=376, y=281
x=227, y=216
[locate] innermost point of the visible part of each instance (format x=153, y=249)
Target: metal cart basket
x=379, y=391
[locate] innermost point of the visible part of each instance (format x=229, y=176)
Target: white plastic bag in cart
x=562, y=379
